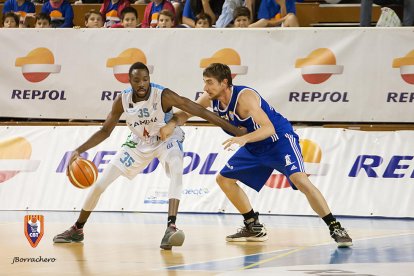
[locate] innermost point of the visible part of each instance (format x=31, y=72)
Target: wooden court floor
x=128, y=244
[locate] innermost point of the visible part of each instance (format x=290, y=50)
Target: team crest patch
x=231, y=115
x=34, y=228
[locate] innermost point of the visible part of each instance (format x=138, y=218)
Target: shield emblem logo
x=34, y=228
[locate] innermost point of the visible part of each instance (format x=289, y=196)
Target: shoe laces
x=242, y=229
x=341, y=232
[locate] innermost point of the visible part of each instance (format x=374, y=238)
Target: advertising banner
x=359, y=173
x=307, y=74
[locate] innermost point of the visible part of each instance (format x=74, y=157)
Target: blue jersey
x=280, y=123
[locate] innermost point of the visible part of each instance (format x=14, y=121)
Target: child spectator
x=43, y=20
x=129, y=18
x=242, y=17
x=203, y=20
x=166, y=19
x=194, y=7
x=152, y=11
x=93, y=19
x=60, y=12
x=10, y=20
x=111, y=10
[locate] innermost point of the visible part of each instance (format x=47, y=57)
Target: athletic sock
x=250, y=217
x=171, y=220
x=79, y=225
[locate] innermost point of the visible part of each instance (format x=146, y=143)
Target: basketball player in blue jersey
x=147, y=107
x=270, y=143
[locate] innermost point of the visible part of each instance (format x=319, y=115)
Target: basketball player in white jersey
x=148, y=107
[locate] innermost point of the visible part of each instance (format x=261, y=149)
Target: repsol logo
x=400, y=97
x=109, y=95
x=333, y=97
x=376, y=166
x=54, y=95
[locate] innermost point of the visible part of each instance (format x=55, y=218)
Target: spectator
x=93, y=19
x=60, y=12
x=43, y=20
x=152, y=11
x=203, y=20
x=273, y=13
x=22, y=8
x=165, y=19
x=194, y=7
x=366, y=10
x=111, y=10
x=10, y=20
x=226, y=16
x=129, y=18
x=242, y=17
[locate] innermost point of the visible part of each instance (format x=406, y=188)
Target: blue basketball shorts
x=254, y=169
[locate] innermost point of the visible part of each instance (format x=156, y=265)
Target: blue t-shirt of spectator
x=269, y=8
x=12, y=6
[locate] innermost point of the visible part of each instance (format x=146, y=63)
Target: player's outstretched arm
x=170, y=99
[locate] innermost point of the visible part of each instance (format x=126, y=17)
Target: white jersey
x=145, y=118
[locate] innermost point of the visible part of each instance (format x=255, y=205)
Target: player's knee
x=223, y=182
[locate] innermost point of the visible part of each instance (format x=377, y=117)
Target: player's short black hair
x=219, y=71
x=138, y=66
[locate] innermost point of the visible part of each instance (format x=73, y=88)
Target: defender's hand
x=240, y=141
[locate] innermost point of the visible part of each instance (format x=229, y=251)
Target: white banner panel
x=360, y=173
x=308, y=74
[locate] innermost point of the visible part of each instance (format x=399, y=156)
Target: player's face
x=165, y=22
x=94, y=21
x=42, y=23
x=213, y=87
x=129, y=21
x=241, y=22
x=140, y=82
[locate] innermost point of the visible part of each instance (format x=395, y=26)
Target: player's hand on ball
x=73, y=157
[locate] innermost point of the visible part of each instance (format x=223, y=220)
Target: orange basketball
x=82, y=173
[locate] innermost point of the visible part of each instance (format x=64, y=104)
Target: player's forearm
x=214, y=119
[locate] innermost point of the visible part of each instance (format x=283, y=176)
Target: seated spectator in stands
x=152, y=11
x=226, y=16
x=111, y=10
x=129, y=18
x=61, y=13
x=194, y=7
x=366, y=11
x=20, y=7
x=203, y=20
x=43, y=20
x=10, y=20
x=242, y=17
x=274, y=13
x=93, y=19
x=165, y=19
